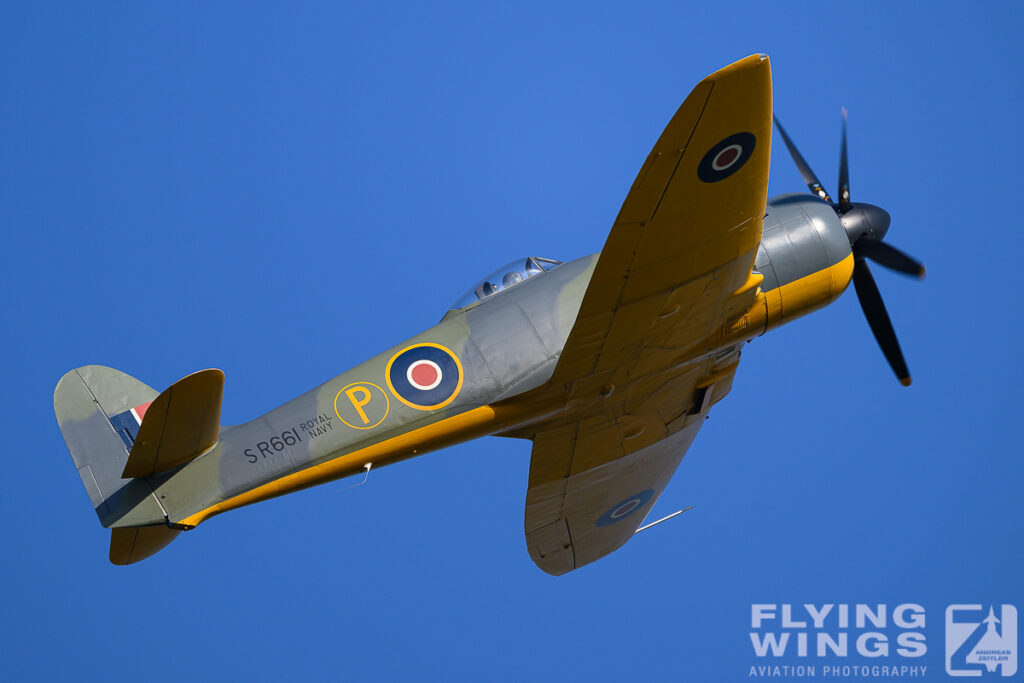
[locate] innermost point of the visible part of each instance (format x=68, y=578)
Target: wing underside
x=594, y=480
x=641, y=367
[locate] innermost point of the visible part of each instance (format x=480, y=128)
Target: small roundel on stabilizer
x=726, y=157
x=425, y=376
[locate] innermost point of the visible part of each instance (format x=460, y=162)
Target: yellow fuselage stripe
x=462, y=427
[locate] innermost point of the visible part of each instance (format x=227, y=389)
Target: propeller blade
x=844, y=173
x=874, y=310
x=888, y=256
x=805, y=171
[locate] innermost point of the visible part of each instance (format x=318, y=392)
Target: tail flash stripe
x=126, y=424
x=140, y=411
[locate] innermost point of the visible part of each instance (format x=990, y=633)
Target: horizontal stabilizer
x=181, y=423
x=134, y=543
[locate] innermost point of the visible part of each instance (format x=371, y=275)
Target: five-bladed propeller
x=866, y=226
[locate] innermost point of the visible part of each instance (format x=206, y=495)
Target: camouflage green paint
x=507, y=343
x=83, y=400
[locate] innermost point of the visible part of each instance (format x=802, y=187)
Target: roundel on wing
x=726, y=157
x=625, y=508
x=424, y=376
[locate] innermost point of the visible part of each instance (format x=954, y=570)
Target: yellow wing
x=641, y=365
x=688, y=231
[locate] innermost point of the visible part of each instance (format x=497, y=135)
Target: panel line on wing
x=682, y=153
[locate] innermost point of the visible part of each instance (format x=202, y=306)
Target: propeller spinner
x=866, y=225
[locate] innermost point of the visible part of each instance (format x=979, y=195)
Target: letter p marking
x=358, y=403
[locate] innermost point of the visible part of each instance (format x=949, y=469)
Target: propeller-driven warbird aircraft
x=609, y=363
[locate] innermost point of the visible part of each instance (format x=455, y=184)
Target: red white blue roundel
x=725, y=158
x=620, y=511
x=425, y=376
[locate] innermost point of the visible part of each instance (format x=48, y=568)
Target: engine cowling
x=804, y=256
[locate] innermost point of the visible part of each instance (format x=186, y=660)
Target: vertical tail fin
x=119, y=432
x=99, y=410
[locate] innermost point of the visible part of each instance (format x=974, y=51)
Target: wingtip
x=905, y=381
x=920, y=273
x=846, y=114
x=754, y=61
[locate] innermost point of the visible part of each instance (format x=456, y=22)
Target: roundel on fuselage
x=424, y=376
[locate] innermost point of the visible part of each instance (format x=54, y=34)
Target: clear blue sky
x=283, y=190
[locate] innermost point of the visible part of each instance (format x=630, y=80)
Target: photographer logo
x=981, y=640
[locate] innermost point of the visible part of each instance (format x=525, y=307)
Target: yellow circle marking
x=442, y=404
x=358, y=407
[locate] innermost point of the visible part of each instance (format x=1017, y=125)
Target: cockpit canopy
x=507, y=276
